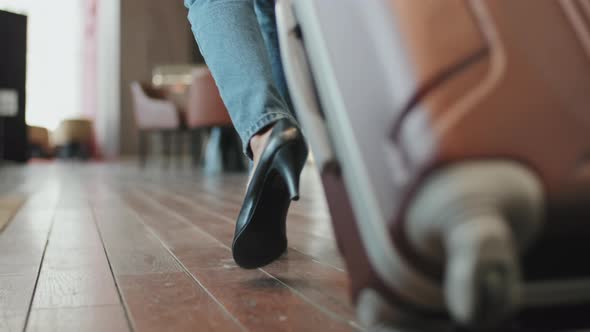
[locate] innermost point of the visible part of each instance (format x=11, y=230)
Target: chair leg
x=213, y=156
x=143, y=148
x=196, y=146
x=166, y=146
x=179, y=147
x=231, y=150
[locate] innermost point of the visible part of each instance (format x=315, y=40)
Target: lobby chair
x=39, y=142
x=155, y=113
x=74, y=139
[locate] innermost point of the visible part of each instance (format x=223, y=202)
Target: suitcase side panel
x=525, y=101
x=352, y=133
x=457, y=35
x=533, y=89
x=435, y=112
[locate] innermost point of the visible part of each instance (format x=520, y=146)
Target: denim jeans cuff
x=263, y=122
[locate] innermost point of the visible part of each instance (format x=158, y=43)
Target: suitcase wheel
x=475, y=219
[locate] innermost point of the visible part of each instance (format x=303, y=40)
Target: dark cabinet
x=13, y=70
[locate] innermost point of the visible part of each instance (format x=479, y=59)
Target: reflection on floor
x=108, y=247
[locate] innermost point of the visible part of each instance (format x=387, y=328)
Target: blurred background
x=108, y=80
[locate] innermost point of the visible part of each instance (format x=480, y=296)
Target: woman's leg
x=233, y=45
x=265, y=12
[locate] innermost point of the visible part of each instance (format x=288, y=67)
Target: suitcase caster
x=475, y=219
x=482, y=281
x=379, y=315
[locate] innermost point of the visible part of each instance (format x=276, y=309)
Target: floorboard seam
x=30, y=309
x=122, y=301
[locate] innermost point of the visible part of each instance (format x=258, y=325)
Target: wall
x=153, y=32
x=108, y=89
x=54, y=77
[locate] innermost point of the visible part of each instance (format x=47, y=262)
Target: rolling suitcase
x=453, y=141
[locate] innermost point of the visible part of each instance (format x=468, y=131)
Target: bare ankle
x=258, y=141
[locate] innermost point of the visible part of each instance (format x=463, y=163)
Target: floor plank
x=320, y=247
x=159, y=295
x=15, y=296
x=309, y=227
x=110, y=247
x=66, y=279
x=205, y=251
x=22, y=244
x=109, y=318
x=76, y=290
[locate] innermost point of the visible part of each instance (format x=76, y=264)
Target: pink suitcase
x=453, y=140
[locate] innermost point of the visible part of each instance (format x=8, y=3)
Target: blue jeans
x=238, y=39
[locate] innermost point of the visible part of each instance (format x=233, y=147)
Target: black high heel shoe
x=260, y=236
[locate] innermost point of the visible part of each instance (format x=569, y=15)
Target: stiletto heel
x=289, y=163
x=261, y=233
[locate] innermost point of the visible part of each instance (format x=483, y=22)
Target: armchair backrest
x=205, y=107
x=153, y=111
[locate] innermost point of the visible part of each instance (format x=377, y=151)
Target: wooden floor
x=108, y=247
